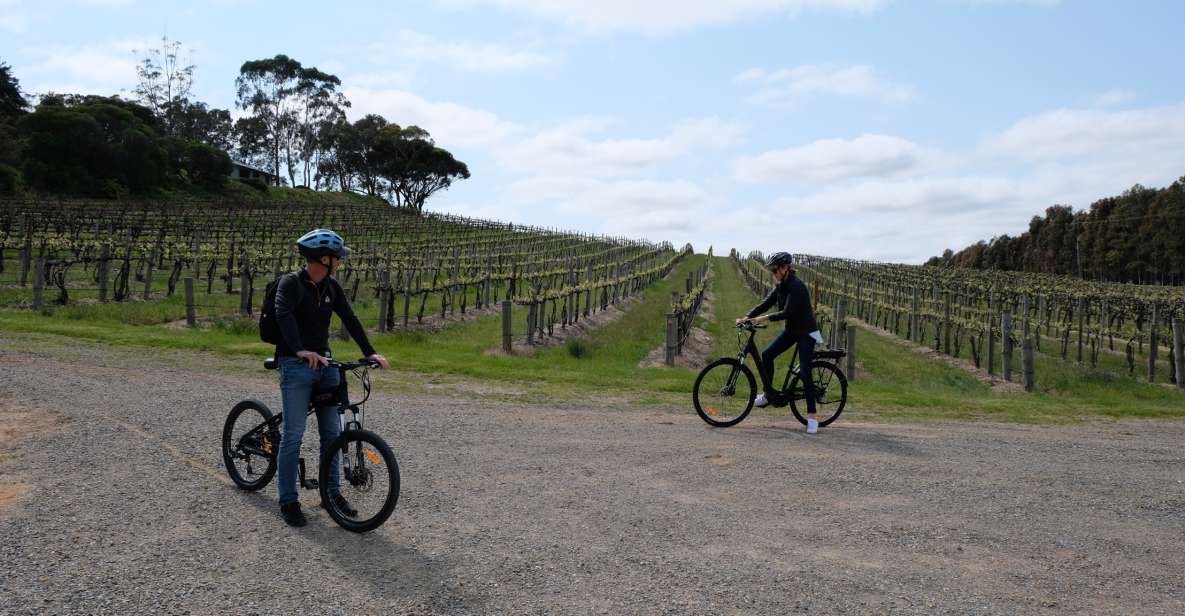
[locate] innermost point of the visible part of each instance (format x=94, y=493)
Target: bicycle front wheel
x=724, y=392
x=369, y=480
x=831, y=393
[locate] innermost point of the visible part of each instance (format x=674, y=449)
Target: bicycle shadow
x=838, y=438
x=393, y=570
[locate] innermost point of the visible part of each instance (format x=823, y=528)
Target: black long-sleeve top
x=303, y=317
x=793, y=303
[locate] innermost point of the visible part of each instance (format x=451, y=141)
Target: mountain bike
x=725, y=389
x=369, y=472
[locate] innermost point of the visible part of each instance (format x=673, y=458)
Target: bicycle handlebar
x=361, y=363
x=751, y=326
x=271, y=364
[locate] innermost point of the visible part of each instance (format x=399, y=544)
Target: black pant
x=806, y=353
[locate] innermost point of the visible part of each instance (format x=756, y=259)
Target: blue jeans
x=806, y=354
x=297, y=381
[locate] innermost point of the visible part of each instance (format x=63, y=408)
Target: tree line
x=1137, y=237
x=293, y=125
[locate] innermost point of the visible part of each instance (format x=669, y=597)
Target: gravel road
x=581, y=509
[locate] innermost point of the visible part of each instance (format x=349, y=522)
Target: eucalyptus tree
x=414, y=167
x=164, y=81
x=264, y=89
x=288, y=104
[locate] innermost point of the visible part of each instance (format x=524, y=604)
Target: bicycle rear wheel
x=369, y=480
x=249, y=445
x=724, y=392
x=831, y=393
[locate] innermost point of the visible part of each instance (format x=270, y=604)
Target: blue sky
x=878, y=129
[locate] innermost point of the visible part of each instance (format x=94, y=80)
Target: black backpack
x=269, y=329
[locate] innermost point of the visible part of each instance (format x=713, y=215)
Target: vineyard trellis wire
x=406, y=266
x=685, y=308
x=996, y=313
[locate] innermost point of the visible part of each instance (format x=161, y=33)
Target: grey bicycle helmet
x=322, y=242
x=779, y=258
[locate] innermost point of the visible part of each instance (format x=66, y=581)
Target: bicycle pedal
x=309, y=484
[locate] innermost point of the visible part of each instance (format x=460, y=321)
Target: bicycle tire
x=827, y=379
x=354, y=487
x=703, y=400
x=231, y=445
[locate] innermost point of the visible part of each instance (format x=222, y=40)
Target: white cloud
x=673, y=210
x=932, y=195
x=1044, y=3
x=101, y=68
x=829, y=160
x=663, y=16
x=785, y=87
x=16, y=23
x=378, y=79
x=451, y=124
x=1113, y=98
x=567, y=149
x=1070, y=157
x=466, y=56
x=904, y=219
x=1067, y=134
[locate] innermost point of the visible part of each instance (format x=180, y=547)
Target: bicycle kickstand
x=308, y=484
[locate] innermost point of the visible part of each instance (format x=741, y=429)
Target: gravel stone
x=588, y=509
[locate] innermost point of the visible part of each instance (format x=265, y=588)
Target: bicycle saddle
x=270, y=363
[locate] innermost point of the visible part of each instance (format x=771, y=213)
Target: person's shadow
x=391, y=569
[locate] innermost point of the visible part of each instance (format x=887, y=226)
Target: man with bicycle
x=793, y=303
x=305, y=301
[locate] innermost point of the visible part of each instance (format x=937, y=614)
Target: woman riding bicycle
x=305, y=301
x=793, y=303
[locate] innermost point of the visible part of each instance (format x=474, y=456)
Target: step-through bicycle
x=725, y=389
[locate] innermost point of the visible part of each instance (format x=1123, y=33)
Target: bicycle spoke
x=365, y=479
x=249, y=447
x=723, y=395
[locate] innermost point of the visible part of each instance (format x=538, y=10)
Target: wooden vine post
x=1153, y=342
x=1006, y=339
x=1178, y=358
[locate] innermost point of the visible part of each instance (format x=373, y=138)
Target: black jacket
x=793, y=303
x=305, y=325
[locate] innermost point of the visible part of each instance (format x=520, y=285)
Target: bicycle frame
x=749, y=348
x=338, y=398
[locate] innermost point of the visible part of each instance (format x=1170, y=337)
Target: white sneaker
x=761, y=401
x=812, y=426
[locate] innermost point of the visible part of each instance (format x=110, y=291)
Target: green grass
x=731, y=299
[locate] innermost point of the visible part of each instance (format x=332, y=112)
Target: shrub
x=206, y=166
x=112, y=189
x=10, y=180
x=255, y=183
x=578, y=348
x=238, y=326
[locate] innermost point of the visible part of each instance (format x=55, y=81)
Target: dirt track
x=510, y=509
